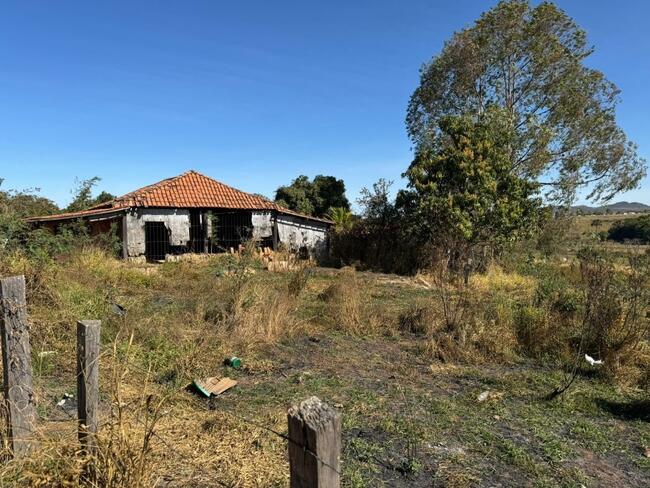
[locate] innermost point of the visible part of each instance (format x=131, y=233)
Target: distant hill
x=618, y=207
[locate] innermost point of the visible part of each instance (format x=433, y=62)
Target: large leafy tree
x=315, y=197
x=297, y=196
x=529, y=61
x=462, y=192
x=329, y=192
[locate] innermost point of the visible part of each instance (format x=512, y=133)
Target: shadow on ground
x=632, y=410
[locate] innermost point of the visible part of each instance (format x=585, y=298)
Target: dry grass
x=256, y=315
x=496, y=280
x=470, y=323
x=349, y=306
x=183, y=318
x=123, y=452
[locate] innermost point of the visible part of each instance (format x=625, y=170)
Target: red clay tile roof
x=189, y=190
x=74, y=215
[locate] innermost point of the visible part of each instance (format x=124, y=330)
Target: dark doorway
x=196, y=231
x=156, y=241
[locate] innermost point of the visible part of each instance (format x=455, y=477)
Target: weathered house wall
x=196, y=214
x=176, y=220
x=297, y=233
x=262, y=225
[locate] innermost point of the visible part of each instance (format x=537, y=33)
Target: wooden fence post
x=314, y=445
x=17, y=365
x=88, y=381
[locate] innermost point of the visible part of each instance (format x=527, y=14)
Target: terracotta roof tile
x=189, y=190
x=74, y=215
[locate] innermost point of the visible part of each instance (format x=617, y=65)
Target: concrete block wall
x=295, y=233
x=177, y=220
x=262, y=225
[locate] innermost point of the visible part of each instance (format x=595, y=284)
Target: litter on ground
x=213, y=385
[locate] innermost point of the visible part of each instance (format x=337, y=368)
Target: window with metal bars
x=210, y=231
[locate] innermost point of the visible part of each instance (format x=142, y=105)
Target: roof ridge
x=228, y=186
x=140, y=192
x=161, y=183
x=145, y=190
x=194, y=182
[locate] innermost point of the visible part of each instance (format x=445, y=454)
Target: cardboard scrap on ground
x=214, y=386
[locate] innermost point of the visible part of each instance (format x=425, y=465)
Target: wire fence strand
x=176, y=393
x=239, y=418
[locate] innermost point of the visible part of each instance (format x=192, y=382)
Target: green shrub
x=634, y=229
x=568, y=301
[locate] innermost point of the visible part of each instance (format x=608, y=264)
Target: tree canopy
x=314, y=197
x=529, y=61
x=633, y=229
x=461, y=189
x=15, y=206
x=82, y=198
x=26, y=203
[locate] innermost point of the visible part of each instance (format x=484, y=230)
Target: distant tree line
x=18, y=205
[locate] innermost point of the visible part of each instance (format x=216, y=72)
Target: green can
x=233, y=362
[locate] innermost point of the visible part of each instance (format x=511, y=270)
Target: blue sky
x=250, y=93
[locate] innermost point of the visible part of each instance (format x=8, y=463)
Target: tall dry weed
x=123, y=453
x=468, y=320
x=249, y=313
x=616, y=322
x=348, y=304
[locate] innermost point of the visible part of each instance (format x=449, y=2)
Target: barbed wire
x=175, y=392
x=240, y=418
x=206, y=405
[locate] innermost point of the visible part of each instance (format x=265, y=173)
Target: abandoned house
x=195, y=213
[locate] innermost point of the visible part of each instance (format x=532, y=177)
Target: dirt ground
x=408, y=420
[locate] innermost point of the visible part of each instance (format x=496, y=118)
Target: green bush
x=567, y=301
x=634, y=229
x=16, y=235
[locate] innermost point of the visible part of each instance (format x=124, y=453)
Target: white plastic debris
x=66, y=397
x=592, y=361
x=488, y=395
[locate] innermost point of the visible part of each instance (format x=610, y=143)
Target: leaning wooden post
x=17, y=365
x=314, y=445
x=88, y=381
